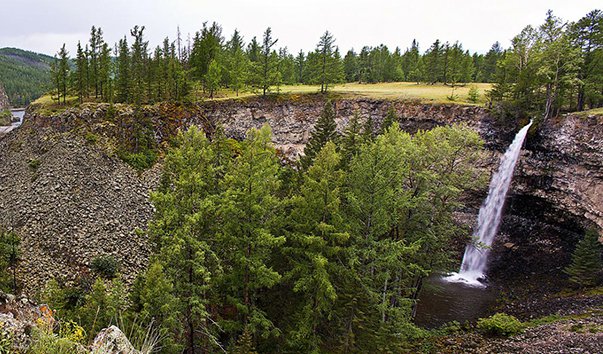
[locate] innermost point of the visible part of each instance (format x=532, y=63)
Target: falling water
x=476, y=254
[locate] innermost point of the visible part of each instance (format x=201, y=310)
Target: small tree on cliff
x=324, y=131
x=586, y=263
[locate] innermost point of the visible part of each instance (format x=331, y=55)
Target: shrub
x=91, y=138
x=34, y=164
x=500, y=324
x=105, y=266
x=139, y=161
x=473, y=94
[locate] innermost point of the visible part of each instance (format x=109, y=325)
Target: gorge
x=71, y=198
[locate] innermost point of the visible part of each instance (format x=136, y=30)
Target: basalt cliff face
x=72, y=199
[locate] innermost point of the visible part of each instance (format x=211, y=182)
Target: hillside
x=25, y=75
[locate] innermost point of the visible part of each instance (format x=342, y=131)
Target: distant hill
x=24, y=75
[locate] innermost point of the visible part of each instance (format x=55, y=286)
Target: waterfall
x=475, y=259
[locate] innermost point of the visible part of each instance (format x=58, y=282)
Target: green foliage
x=25, y=75
x=333, y=260
x=324, y=131
x=390, y=119
x=44, y=341
x=473, y=95
x=6, y=342
x=105, y=266
x=500, y=324
x=9, y=260
x=586, y=265
x=91, y=138
x=139, y=161
x=6, y=117
x=34, y=164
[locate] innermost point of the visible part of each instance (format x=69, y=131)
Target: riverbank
x=14, y=121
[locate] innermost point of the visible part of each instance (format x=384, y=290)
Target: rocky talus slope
x=70, y=202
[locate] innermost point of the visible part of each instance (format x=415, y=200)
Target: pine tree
x=10, y=256
x=328, y=65
x=390, y=119
x=182, y=230
x=237, y=63
x=81, y=68
x=138, y=68
x=350, y=143
x=585, y=268
x=160, y=307
x=213, y=77
x=267, y=63
x=316, y=247
x=368, y=130
x=248, y=207
x=123, y=73
x=325, y=130
x=60, y=74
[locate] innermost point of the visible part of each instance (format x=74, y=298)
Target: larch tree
x=325, y=130
x=248, y=210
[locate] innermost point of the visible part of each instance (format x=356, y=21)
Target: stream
x=17, y=113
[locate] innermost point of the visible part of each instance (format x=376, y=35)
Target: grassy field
x=595, y=111
x=437, y=93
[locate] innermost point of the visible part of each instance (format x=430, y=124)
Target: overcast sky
x=44, y=25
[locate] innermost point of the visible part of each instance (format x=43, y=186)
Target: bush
x=473, y=95
x=105, y=266
x=34, y=164
x=91, y=138
x=139, y=161
x=500, y=324
x=6, y=117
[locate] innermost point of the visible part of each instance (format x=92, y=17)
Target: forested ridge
x=24, y=75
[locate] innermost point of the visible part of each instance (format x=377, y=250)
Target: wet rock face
x=557, y=193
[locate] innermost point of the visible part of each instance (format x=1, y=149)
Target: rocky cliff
x=72, y=199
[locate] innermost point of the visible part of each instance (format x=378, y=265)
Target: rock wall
x=292, y=121
x=70, y=202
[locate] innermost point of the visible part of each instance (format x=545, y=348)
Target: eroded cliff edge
x=72, y=199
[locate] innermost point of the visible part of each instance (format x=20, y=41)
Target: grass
x=590, y=112
x=437, y=93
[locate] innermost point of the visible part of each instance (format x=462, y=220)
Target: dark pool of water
x=441, y=302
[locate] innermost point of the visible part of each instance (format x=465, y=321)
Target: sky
x=44, y=25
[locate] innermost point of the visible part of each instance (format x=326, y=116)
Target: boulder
x=112, y=340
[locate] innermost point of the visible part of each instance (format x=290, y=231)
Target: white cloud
x=298, y=24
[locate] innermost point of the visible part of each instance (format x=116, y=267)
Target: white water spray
x=475, y=259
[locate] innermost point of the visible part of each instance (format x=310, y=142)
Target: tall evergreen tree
x=81, y=69
x=585, y=268
x=247, y=236
x=316, y=248
x=123, y=72
x=325, y=130
x=266, y=70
